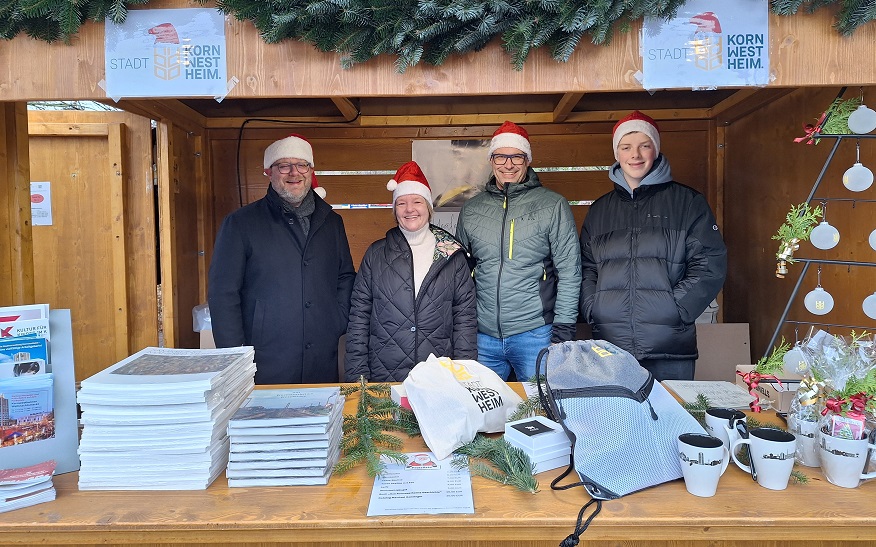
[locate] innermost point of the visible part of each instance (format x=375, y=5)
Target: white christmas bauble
x=795, y=361
x=857, y=178
x=873, y=240
x=862, y=120
x=818, y=301
x=870, y=306
x=824, y=236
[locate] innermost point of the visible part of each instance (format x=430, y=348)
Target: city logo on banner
x=167, y=53
x=707, y=46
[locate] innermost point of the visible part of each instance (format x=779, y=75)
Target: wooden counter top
x=741, y=513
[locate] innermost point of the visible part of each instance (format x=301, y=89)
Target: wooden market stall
x=138, y=206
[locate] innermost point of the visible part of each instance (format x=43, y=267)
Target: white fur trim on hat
x=511, y=140
x=407, y=187
x=290, y=147
x=635, y=126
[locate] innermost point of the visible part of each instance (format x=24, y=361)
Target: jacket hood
x=660, y=173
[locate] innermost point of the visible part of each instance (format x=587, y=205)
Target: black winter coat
x=651, y=263
x=389, y=330
x=290, y=303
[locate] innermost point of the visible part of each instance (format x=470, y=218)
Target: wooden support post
x=16, y=241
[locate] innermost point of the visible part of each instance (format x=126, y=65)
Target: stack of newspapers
x=286, y=437
x=26, y=486
x=158, y=420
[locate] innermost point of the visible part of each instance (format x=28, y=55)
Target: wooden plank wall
x=99, y=257
x=340, y=149
x=766, y=172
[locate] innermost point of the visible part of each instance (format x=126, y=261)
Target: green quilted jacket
x=528, y=260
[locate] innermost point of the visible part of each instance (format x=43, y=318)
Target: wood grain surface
x=740, y=514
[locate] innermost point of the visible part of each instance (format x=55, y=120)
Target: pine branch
x=511, y=465
x=774, y=363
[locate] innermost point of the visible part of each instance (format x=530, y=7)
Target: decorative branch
x=512, y=465
x=365, y=438
x=412, y=30
x=799, y=222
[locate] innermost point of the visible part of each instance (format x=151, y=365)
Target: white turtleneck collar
x=422, y=244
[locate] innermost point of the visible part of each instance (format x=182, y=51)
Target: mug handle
x=726, y=460
x=871, y=475
x=735, y=448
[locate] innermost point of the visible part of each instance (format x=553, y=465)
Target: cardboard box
x=399, y=395
x=779, y=396
x=207, y=339
x=721, y=347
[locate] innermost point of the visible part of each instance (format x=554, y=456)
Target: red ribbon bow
x=858, y=403
x=811, y=130
x=752, y=380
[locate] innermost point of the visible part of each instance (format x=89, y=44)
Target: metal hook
x=819, y=276
x=857, y=150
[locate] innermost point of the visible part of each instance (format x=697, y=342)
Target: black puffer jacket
x=389, y=331
x=652, y=261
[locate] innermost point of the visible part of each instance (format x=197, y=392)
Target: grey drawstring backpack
x=624, y=426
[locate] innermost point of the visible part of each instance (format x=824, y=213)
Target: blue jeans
x=519, y=351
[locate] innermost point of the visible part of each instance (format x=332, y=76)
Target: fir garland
x=411, y=30
x=511, y=464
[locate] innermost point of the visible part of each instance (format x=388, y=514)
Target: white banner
x=707, y=45
x=167, y=53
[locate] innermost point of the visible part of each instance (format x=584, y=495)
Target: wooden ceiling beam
x=658, y=115
x=348, y=110
x=749, y=100
x=168, y=110
x=565, y=106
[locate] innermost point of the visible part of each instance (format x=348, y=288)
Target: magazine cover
x=23, y=356
x=27, y=412
x=272, y=407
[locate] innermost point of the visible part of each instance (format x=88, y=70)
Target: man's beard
x=291, y=198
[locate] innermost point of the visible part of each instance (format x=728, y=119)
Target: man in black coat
x=281, y=274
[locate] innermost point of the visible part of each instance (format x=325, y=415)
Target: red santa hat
x=293, y=146
x=511, y=135
x=409, y=179
x=636, y=122
x=317, y=189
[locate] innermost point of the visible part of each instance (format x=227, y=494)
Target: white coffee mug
x=807, y=444
x=703, y=460
x=771, y=453
x=843, y=460
x=721, y=423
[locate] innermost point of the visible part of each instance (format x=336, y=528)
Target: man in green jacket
x=528, y=264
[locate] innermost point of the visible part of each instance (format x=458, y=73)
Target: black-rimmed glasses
x=286, y=168
x=502, y=159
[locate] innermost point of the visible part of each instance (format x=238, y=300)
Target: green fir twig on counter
x=774, y=363
x=365, y=438
x=698, y=408
x=512, y=465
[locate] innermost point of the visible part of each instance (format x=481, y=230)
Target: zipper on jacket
x=511, y=242
x=501, y=263
x=634, y=245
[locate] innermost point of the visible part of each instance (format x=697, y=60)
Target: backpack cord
x=573, y=538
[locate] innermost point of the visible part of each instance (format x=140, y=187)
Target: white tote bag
x=455, y=399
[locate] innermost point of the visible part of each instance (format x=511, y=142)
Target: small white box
x=547, y=453
x=399, y=395
x=547, y=465
x=536, y=435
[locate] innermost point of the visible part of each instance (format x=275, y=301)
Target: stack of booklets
x=286, y=437
x=158, y=420
x=26, y=486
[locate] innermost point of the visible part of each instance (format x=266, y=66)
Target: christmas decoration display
x=818, y=301
x=862, y=120
x=365, y=438
x=797, y=227
x=414, y=30
x=833, y=121
x=837, y=396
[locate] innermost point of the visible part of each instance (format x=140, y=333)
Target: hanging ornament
x=795, y=360
x=818, y=301
x=862, y=120
x=858, y=178
x=873, y=240
x=870, y=306
x=824, y=236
